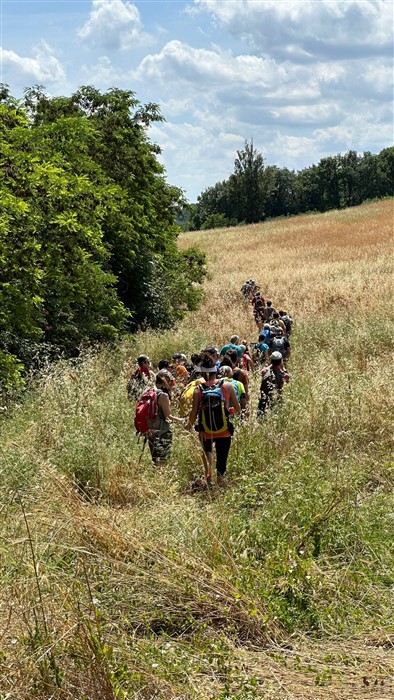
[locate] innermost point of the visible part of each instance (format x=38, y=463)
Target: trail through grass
x=117, y=583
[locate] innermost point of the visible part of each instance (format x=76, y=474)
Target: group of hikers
x=211, y=393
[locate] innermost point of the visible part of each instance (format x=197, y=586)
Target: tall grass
x=117, y=582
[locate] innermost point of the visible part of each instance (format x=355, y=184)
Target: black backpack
x=270, y=388
x=288, y=321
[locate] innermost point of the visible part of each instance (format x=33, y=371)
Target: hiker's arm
x=246, y=386
x=233, y=399
x=194, y=410
x=164, y=402
x=166, y=408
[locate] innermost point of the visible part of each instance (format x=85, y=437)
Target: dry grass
x=315, y=265
x=115, y=584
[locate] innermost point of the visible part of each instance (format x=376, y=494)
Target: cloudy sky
x=303, y=78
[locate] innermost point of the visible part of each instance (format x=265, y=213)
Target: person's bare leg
x=207, y=459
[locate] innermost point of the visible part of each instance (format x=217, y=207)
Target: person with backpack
x=234, y=344
x=186, y=397
x=178, y=367
x=141, y=377
x=211, y=352
x=273, y=379
x=278, y=322
x=260, y=348
x=153, y=417
x=226, y=372
x=211, y=409
x=270, y=310
x=280, y=343
x=239, y=374
x=259, y=310
x=247, y=361
x=287, y=320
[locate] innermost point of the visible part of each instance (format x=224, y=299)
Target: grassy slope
x=280, y=587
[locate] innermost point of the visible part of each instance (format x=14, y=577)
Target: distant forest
x=255, y=192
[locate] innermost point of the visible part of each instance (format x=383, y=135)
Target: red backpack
x=146, y=411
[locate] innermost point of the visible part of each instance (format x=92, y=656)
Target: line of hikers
x=210, y=393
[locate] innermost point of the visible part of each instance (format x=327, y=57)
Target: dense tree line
x=87, y=227
x=255, y=192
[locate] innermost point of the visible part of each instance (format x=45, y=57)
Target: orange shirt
x=181, y=372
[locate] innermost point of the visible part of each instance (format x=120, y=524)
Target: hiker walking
x=178, y=367
x=234, y=344
x=239, y=374
x=211, y=409
x=153, y=417
x=226, y=373
x=273, y=379
x=280, y=343
x=278, y=322
x=141, y=378
x=270, y=310
x=287, y=320
x=260, y=348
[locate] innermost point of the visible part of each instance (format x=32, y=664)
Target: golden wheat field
x=313, y=266
x=118, y=582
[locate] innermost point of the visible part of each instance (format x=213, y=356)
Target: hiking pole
x=143, y=448
x=236, y=434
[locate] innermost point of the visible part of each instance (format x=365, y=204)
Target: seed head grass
x=118, y=581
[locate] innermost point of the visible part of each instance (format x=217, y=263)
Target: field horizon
x=118, y=582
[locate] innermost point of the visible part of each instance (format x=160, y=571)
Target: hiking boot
x=221, y=480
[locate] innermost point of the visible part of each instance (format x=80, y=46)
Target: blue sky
x=303, y=78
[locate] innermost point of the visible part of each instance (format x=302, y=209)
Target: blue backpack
x=213, y=412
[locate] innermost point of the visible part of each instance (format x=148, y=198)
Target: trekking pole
x=143, y=448
x=237, y=450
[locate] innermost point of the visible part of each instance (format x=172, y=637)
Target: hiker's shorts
x=160, y=445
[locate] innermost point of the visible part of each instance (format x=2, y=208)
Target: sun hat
x=276, y=355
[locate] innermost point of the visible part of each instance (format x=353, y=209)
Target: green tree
x=386, y=171
x=87, y=229
x=349, y=164
x=328, y=183
x=141, y=235
x=54, y=279
x=247, y=185
x=279, y=186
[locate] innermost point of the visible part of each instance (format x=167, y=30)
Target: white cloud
x=43, y=66
x=113, y=24
x=379, y=77
x=204, y=67
x=308, y=114
x=102, y=73
x=203, y=156
x=300, y=28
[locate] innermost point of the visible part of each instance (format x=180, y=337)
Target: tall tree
x=246, y=185
x=280, y=191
